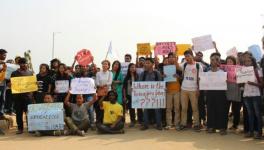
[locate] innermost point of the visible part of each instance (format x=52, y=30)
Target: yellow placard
x=144, y=48
x=24, y=84
x=181, y=48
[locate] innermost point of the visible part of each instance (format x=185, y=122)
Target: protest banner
x=24, y=84
x=231, y=72
x=202, y=43
x=245, y=74
x=181, y=48
x=124, y=68
x=10, y=68
x=170, y=71
x=232, y=52
x=164, y=48
x=256, y=52
x=148, y=95
x=62, y=86
x=46, y=116
x=213, y=81
x=84, y=57
x=83, y=86
x=143, y=49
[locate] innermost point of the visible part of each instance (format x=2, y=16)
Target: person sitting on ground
x=113, y=121
x=49, y=99
x=78, y=123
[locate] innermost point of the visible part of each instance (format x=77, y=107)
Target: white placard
x=149, y=94
x=232, y=52
x=202, y=43
x=170, y=71
x=213, y=81
x=245, y=74
x=83, y=86
x=62, y=86
x=44, y=117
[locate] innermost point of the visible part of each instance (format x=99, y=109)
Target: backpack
x=184, y=67
x=155, y=73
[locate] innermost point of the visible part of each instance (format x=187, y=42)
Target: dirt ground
x=133, y=139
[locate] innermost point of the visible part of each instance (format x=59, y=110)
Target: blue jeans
x=157, y=116
x=2, y=100
x=253, y=105
x=91, y=109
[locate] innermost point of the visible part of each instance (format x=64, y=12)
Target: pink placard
x=84, y=57
x=164, y=48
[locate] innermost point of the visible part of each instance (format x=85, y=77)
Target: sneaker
x=258, y=136
x=143, y=128
x=249, y=135
x=2, y=132
x=223, y=132
x=167, y=128
x=197, y=128
x=19, y=132
x=80, y=133
x=211, y=130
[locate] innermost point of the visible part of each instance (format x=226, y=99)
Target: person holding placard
x=78, y=123
x=113, y=122
x=117, y=83
x=131, y=76
x=217, y=105
x=103, y=81
x=190, y=89
x=252, y=99
x=151, y=75
x=173, y=97
x=54, y=69
x=22, y=100
x=233, y=94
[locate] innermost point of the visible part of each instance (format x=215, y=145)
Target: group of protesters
x=187, y=107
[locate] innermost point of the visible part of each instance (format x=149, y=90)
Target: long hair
x=118, y=70
x=44, y=65
x=63, y=74
x=128, y=76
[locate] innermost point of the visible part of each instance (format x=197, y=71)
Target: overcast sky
x=92, y=24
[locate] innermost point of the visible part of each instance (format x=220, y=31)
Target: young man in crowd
x=78, y=123
x=173, y=97
x=128, y=58
x=22, y=100
x=2, y=82
x=113, y=122
x=190, y=89
x=151, y=75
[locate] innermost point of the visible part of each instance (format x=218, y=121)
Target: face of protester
x=148, y=65
x=116, y=66
x=165, y=61
x=105, y=66
x=43, y=69
x=77, y=69
x=112, y=98
x=23, y=66
x=79, y=100
x=189, y=58
x=215, y=61
x=127, y=59
x=248, y=61
x=132, y=69
x=55, y=64
x=141, y=62
x=229, y=62
x=48, y=99
x=171, y=60
x=61, y=69
x=198, y=57
x=3, y=56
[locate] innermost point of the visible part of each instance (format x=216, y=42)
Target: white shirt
x=251, y=90
x=104, y=78
x=189, y=82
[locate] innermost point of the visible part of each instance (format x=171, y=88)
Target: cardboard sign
x=83, y=86
x=202, y=43
x=181, y=48
x=24, y=84
x=62, y=86
x=84, y=57
x=170, y=71
x=213, y=81
x=143, y=49
x=45, y=117
x=232, y=52
x=245, y=74
x=164, y=48
x=124, y=68
x=149, y=95
x=256, y=52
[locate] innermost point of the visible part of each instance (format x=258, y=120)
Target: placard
x=245, y=74
x=213, y=81
x=83, y=86
x=143, y=49
x=256, y=52
x=169, y=71
x=202, y=43
x=24, y=84
x=84, y=57
x=232, y=52
x=181, y=48
x=149, y=94
x=62, y=86
x=164, y=48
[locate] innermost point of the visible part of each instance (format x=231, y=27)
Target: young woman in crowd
x=117, y=83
